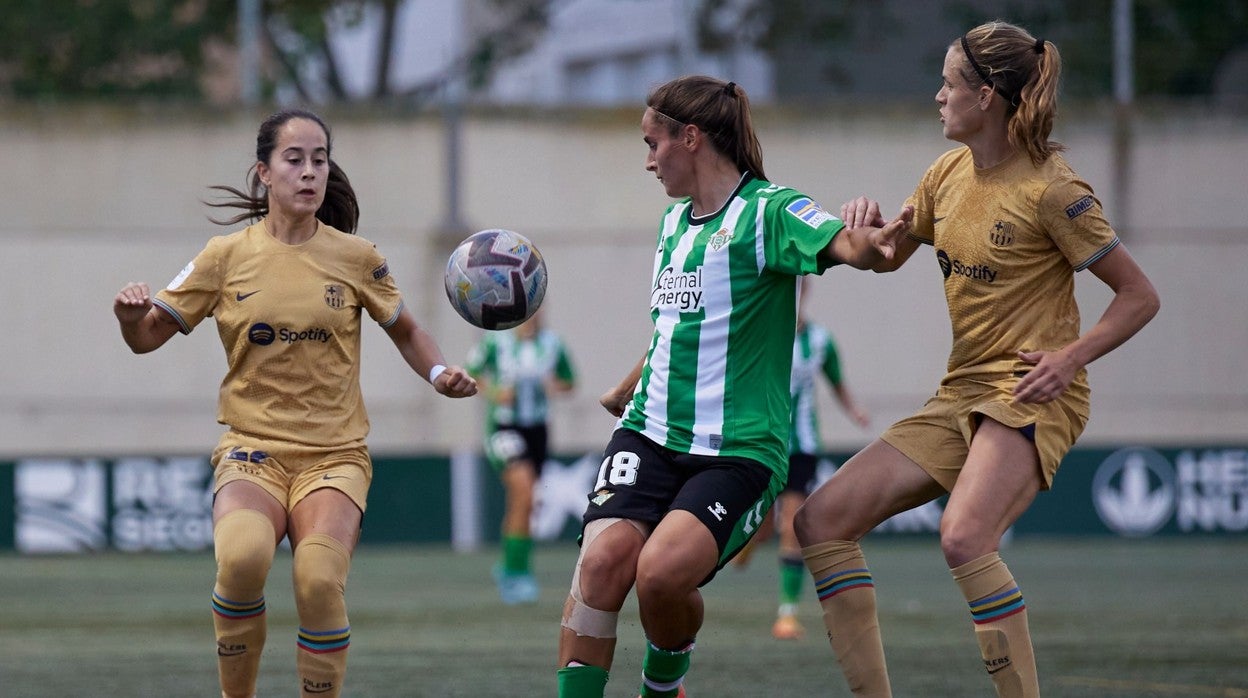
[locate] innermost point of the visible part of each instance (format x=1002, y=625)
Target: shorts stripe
x=844, y=580
x=323, y=641
x=993, y=608
x=236, y=609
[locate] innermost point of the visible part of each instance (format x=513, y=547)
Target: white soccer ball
x=496, y=279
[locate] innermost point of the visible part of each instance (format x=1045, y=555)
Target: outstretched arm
x=144, y=326
x=1135, y=303
x=868, y=245
x=421, y=352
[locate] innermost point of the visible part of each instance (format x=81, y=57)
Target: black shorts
x=801, y=473
x=643, y=481
x=509, y=443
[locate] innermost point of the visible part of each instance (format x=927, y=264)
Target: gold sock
x=321, y=564
x=847, y=594
x=244, y=544
x=1000, y=617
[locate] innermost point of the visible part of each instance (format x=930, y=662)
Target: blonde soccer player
x=1010, y=224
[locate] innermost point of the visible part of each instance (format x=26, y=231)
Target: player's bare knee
x=962, y=541
x=802, y=526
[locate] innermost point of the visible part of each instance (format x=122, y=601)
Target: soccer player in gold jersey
x=1010, y=223
x=287, y=293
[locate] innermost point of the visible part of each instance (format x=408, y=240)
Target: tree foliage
x=108, y=49
x=103, y=48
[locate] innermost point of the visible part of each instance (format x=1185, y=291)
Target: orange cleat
x=787, y=627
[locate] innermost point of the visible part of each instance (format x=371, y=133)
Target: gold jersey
x=1008, y=240
x=289, y=320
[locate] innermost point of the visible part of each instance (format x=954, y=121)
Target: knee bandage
x=582, y=619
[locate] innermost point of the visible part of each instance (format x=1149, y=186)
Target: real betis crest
x=722, y=237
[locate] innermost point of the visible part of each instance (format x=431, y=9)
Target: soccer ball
x=496, y=279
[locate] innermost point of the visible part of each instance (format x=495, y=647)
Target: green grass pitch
x=1109, y=618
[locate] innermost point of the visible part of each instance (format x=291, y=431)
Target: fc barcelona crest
x=1002, y=234
x=334, y=297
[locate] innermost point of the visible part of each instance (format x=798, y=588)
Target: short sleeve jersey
x=814, y=353
x=524, y=365
x=289, y=319
x=723, y=299
x=1008, y=240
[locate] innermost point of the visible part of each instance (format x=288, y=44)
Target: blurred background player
x=1011, y=224
x=700, y=450
x=287, y=294
x=814, y=353
x=519, y=370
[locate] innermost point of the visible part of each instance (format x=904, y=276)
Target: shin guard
x=244, y=544
x=1000, y=617
x=321, y=564
x=847, y=595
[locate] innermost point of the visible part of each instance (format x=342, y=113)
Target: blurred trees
x=186, y=49
x=1180, y=44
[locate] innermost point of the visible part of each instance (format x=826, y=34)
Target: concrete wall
x=94, y=198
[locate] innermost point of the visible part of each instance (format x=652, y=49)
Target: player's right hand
x=132, y=302
x=455, y=382
x=615, y=402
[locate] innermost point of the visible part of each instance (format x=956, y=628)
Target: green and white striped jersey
x=506, y=360
x=724, y=304
x=814, y=352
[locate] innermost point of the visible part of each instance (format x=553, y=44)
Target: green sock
x=516, y=553
x=662, y=670
x=792, y=576
x=582, y=681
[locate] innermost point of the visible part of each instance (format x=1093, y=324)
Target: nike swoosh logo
x=937, y=220
x=335, y=477
x=244, y=296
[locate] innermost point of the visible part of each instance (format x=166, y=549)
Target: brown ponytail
x=720, y=109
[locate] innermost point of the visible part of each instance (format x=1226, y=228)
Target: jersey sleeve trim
x=918, y=239
x=394, y=317
x=182, y=326
x=1098, y=254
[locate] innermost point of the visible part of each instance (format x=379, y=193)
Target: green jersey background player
x=814, y=354
x=518, y=370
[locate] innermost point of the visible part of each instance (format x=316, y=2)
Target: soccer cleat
x=679, y=694
x=516, y=589
x=787, y=627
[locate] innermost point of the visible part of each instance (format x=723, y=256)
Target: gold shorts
x=291, y=471
x=938, y=436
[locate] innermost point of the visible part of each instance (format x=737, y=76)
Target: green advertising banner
x=148, y=503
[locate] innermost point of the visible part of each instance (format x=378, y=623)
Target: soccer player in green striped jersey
x=701, y=447
x=1010, y=223
x=518, y=370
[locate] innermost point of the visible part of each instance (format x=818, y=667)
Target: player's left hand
x=455, y=382
x=885, y=239
x=1053, y=373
